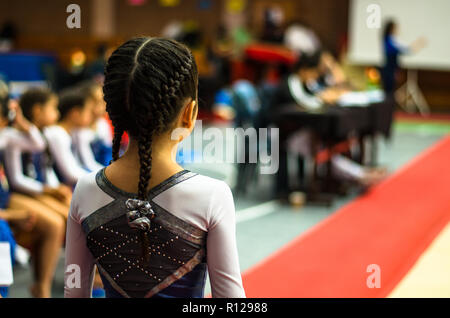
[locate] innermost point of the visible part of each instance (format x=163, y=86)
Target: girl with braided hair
x=152, y=228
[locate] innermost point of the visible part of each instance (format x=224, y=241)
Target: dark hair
x=146, y=82
x=388, y=28
x=31, y=97
x=307, y=61
x=73, y=98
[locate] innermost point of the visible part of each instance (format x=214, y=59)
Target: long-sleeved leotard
x=205, y=204
x=60, y=144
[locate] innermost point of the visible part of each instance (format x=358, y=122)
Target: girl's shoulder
x=200, y=200
x=203, y=185
x=10, y=132
x=197, y=199
x=10, y=136
x=88, y=197
x=56, y=134
x=54, y=130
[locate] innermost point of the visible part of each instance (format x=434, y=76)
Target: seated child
x=75, y=107
x=34, y=224
x=94, y=143
x=29, y=170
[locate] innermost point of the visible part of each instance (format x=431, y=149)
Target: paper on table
x=361, y=99
x=6, y=273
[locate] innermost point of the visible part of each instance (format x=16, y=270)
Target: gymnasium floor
x=264, y=226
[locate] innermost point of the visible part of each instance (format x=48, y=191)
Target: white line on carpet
x=257, y=211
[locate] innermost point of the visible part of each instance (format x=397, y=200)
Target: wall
x=42, y=25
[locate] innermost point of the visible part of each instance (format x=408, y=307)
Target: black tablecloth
x=335, y=122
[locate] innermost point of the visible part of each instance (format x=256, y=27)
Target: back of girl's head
x=31, y=98
x=147, y=82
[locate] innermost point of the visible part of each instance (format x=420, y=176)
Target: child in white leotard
x=30, y=170
x=75, y=107
x=94, y=143
x=35, y=226
x=152, y=228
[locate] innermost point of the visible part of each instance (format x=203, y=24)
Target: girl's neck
x=124, y=171
x=162, y=155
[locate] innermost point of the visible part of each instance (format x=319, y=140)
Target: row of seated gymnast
x=47, y=142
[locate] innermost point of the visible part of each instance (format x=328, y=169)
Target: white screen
x=415, y=18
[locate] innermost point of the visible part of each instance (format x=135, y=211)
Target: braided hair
x=147, y=80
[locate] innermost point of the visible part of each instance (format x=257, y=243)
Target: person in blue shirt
x=392, y=50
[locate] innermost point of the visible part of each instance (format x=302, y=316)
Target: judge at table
x=301, y=88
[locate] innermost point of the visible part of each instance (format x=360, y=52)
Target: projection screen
x=415, y=18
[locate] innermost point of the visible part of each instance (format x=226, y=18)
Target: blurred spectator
x=76, y=108
x=300, y=38
x=8, y=36
x=273, y=25
x=95, y=70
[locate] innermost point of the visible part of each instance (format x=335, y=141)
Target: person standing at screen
x=392, y=50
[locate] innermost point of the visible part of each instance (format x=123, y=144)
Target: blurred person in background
x=96, y=69
x=210, y=79
x=8, y=36
x=30, y=171
x=33, y=224
x=76, y=108
x=273, y=30
x=298, y=37
x=94, y=143
x=392, y=50
x=298, y=89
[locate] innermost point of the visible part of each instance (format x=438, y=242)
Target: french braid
x=146, y=82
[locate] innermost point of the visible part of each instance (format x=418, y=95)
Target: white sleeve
x=310, y=102
x=31, y=141
x=64, y=158
x=17, y=179
x=37, y=142
x=79, y=266
x=222, y=254
x=83, y=140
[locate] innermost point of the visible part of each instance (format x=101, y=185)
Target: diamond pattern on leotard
x=117, y=248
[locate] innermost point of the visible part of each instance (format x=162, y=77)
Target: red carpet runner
x=390, y=226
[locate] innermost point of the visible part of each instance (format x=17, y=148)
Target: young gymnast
x=39, y=180
x=75, y=107
x=33, y=224
x=102, y=143
x=152, y=228
x=94, y=143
